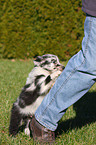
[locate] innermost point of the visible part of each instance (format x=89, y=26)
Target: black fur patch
x=28, y=97
x=26, y=86
x=46, y=56
x=47, y=69
x=37, y=79
x=15, y=121
x=48, y=79
x=38, y=59
x=45, y=63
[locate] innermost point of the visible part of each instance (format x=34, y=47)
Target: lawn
x=77, y=126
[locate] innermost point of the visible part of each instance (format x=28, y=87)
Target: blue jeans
x=77, y=78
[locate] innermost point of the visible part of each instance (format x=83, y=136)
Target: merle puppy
x=46, y=70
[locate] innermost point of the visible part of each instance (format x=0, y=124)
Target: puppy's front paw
x=58, y=72
x=55, y=74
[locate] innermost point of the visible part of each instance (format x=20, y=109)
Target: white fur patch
x=35, y=72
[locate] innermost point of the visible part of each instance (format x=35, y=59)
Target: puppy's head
x=49, y=62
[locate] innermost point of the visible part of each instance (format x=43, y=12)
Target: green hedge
x=34, y=27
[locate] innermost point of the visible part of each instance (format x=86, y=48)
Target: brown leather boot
x=40, y=133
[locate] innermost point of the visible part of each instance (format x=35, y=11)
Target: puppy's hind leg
x=15, y=120
x=27, y=130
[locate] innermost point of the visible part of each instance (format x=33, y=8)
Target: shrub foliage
x=29, y=28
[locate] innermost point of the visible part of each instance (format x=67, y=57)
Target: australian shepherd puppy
x=40, y=80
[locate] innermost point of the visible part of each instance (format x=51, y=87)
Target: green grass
x=77, y=126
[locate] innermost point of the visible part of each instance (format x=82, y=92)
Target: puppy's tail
x=15, y=120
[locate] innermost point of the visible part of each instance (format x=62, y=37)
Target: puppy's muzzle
x=60, y=67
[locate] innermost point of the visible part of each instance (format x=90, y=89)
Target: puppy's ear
x=38, y=60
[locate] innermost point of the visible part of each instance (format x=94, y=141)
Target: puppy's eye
x=58, y=65
x=46, y=62
x=53, y=61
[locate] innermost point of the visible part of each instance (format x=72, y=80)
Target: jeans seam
x=70, y=75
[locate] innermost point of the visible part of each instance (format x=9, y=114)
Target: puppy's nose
x=63, y=67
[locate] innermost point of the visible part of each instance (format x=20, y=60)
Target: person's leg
x=76, y=79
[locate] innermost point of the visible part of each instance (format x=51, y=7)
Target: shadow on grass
x=85, y=114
